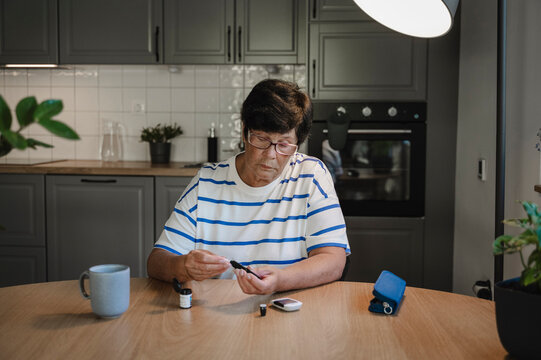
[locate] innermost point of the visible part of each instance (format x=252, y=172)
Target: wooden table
x=52, y=321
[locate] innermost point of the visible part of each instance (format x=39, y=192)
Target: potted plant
x=159, y=138
x=28, y=112
x=518, y=299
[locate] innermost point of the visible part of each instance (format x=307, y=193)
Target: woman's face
x=260, y=167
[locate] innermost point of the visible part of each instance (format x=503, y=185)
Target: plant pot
x=160, y=153
x=517, y=315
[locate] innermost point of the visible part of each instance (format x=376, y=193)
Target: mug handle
x=82, y=284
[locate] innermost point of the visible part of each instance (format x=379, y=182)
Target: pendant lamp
x=419, y=18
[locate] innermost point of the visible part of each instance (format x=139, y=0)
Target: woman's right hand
x=202, y=264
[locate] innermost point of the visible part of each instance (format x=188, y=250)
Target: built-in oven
x=376, y=154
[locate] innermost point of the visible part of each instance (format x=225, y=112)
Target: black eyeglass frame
x=271, y=143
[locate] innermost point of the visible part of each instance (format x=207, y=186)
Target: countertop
x=97, y=167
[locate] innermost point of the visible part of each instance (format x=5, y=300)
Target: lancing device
x=236, y=265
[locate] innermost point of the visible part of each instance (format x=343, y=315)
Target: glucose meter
x=287, y=304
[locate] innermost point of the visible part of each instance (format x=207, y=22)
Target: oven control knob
x=392, y=111
x=366, y=111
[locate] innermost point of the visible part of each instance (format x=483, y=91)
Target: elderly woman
x=269, y=207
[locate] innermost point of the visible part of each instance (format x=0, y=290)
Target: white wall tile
x=87, y=148
x=201, y=150
x=64, y=149
x=184, y=77
x=206, y=100
x=231, y=100
x=230, y=125
x=66, y=94
x=300, y=75
x=87, y=123
x=2, y=82
x=186, y=122
x=227, y=147
x=41, y=93
x=158, y=76
x=42, y=153
x=183, y=149
x=134, y=150
x=154, y=119
x=203, y=122
x=232, y=76
x=207, y=76
x=63, y=77
x=15, y=77
x=134, y=123
x=183, y=100
x=159, y=99
x=14, y=94
x=86, y=99
x=131, y=95
x=39, y=77
x=110, y=99
x=110, y=76
x=19, y=154
x=86, y=75
x=254, y=74
x=134, y=76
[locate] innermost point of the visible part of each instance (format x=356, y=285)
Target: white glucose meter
x=287, y=304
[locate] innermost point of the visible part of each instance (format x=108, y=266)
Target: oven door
x=381, y=169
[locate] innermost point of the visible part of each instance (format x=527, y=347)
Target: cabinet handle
x=99, y=181
x=157, y=42
x=229, y=43
x=240, y=52
x=314, y=14
x=374, y=131
x=314, y=82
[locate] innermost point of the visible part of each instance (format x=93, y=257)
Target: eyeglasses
x=262, y=143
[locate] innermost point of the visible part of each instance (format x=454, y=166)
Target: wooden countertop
x=52, y=321
x=97, y=167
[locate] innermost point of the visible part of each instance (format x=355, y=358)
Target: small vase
x=160, y=153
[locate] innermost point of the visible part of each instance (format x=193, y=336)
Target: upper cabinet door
x=110, y=32
x=28, y=32
x=199, y=32
x=365, y=60
x=269, y=32
x=235, y=32
x=336, y=10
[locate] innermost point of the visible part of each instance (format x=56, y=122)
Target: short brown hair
x=277, y=106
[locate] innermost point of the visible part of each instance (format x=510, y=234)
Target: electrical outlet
x=137, y=106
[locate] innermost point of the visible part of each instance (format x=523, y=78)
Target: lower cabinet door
x=168, y=192
x=380, y=243
x=22, y=265
x=98, y=220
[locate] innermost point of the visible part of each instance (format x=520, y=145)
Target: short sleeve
x=325, y=225
x=179, y=233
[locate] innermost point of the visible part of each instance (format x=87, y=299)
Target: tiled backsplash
x=193, y=96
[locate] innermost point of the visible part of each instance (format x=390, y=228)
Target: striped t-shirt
x=276, y=224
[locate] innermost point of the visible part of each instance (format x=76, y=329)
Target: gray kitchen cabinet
x=28, y=32
x=110, y=32
x=167, y=191
x=382, y=243
x=365, y=60
x=235, y=31
x=336, y=10
x=96, y=220
x=22, y=243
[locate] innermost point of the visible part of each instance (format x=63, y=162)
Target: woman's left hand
x=250, y=284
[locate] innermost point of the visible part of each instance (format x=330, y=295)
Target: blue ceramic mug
x=109, y=289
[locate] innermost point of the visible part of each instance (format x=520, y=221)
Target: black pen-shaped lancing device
x=236, y=265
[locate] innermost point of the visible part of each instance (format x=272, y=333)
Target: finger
x=210, y=258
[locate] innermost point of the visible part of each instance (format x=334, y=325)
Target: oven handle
x=375, y=131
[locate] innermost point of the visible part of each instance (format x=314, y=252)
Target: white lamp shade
x=419, y=18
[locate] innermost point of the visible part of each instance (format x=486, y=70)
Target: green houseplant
x=517, y=300
x=159, y=138
x=28, y=112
